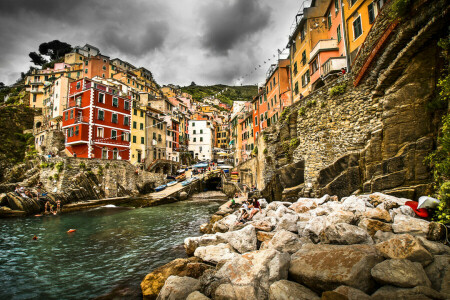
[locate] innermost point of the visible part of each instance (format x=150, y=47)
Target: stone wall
x=373, y=137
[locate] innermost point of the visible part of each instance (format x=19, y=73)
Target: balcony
x=333, y=65
x=36, y=82
x=323, y=45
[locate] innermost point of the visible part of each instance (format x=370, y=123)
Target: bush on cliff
x=337, y=90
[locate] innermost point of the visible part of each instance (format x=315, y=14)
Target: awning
x=200, y=166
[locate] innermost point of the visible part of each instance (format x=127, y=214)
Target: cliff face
x=372, y=137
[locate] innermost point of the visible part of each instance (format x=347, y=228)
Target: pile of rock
x=369, y=246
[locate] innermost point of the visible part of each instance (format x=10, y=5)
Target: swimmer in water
x=34, y=237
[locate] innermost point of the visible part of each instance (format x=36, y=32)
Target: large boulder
x=264, y=236
x=215, y=253
x=411, y=225
x=345, y=293
x=314, y=228
x=378, y=214
x=287, y=222
x=178, y=288
x=224, y=224
x=197, y=296
x=192, y=243
x=405, y=246
x=325, y=267
x=418, y=292
x=229, y=291
x=341, y=216
x=345, y=234
x=258, y=270
x=265, y=224
x=289, y=290
x=303, y=205
x=434, y=248
x=372, y=226
x=154, y=281
x=401, y=273
x=439, y=274
x=243, y=240
x=285, y=241
x=354, y=204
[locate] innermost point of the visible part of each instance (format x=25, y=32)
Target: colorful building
x=277, y=89
x=138, y=134
x=96, y=121
x=156, y=129
x=359, y=17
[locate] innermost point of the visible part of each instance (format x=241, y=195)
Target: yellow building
x=170, y=91
x=309, y=29
x=74, y=58
x=359, y=18
x=138, y=134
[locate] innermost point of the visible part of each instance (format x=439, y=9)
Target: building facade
x=201, y=143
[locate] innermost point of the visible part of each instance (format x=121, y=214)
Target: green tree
x=37, y=59
x=55, y=49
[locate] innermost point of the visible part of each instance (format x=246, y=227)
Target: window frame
x=353, y=27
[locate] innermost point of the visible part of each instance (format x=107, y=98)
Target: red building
x=96, y=121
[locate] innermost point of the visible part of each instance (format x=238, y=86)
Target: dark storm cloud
x=229, y=23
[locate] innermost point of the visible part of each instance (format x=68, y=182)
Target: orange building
x=277, y=87
x=96, y=66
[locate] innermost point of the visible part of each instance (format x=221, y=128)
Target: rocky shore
x=358, y=247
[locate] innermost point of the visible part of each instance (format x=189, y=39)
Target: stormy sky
x=206, y=41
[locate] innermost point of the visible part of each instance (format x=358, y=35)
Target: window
x=101, y=115
x=275, y=99
x=135, y=112
x=100, y=132
x=114, y=118
x=66, y=115
x=336, y=6
x=115, y=153
x=304, y=58
x=338, y=32
x=295, y=68
x=71, y=114
x=371, y=9
x=126, y=136
x=134, y=125
x=134, y=139
x=141, y=126
x=261, y=118
x=201, y=131
x=105, y=153
x=274, y=82
x=126, y=120
x=77, y=130
x=314, y=66
x=142, y=114
x=142, y=140
x=195, y=132
x=305, y=78
x=127, y=105
x=104, y=67
x=357, y=28
x=159, y=138
x=113, y=134
x=193, y=123
x=78, y=83
x=154, y=136
x=101, y=98
x=195, y=139
x=329, y=21
x=303, y=33
x=115, y=102
x=256, y=120
x=201, y=139
x=296, y=88
x=86, y=71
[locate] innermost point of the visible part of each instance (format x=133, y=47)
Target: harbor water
x=113, y=248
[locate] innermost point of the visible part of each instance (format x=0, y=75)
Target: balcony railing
x=333, y=65
x=324, y=45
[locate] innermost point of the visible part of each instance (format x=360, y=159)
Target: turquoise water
x=112, y=249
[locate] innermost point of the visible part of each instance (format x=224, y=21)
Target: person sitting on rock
x=256, y=207
x=244, y=213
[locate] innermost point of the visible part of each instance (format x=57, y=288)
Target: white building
x=201, y=139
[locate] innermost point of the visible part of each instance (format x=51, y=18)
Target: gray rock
x=177, y=287
x=315, y=228
x=237, y=292
x=345, y=234
x=401, y=273
x=224, y=224
x=326, y=267
x=192, y=243
x=354, y=204
x=345, y=292
x=437, y=270
x=303, y=205
x=411, y=225
x=434, y=248
x=285, y=241
x=405, y=246
x=378, y=214
x=417, y=293
x=197, y=296
x=288, y=222
x=382, y=236
x=289, y=290
x=215, y=253
x=341, y=216
x=243, y=240
x=258, y=269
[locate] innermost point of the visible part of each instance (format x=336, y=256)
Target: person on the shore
x=233, y=201
x=58, y=205
x=38, y=190
x=256, y=207
x=244, y=213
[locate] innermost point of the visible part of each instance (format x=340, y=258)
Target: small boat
x=234, y=173
x=172, y=183
x=160, y=188
x=71, y=230
x=186, y=182
x=182, y=177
